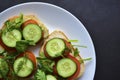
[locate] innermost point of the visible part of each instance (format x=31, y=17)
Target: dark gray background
x=102, y=20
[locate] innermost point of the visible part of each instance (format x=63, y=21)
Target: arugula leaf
x=85, y=59
x=40, y=75
x=76, y=52
x=80, y=46
x=42, y=55
x=46, y=64
x=22, y=45
x=72, y=40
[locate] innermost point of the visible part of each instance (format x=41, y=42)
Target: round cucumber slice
x=51, y=77
x=3, y=68
x=10, y=38
x=66, y=67
x=32, y=32
x=23, y=67
x=55, y=47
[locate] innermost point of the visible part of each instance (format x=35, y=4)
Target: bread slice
x=60, y=34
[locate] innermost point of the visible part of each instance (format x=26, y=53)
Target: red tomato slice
x=45, y=52
x=55, y=70
x=77, y=71
x=68, y=44
x=31, y=21
x=78, y=67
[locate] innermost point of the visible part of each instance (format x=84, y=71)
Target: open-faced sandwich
x=68, y=62
x=23, y=29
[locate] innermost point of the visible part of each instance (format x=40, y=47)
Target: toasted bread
x=60, y=34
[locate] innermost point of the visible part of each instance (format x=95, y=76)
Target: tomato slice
x=68, y=44
x=9, y=49
x=75, y=75
x=78, y=67
x=45, y=52
x=55, y=70
x=31, y=21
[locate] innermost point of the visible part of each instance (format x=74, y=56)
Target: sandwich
x=57, y=47
x=26, y=29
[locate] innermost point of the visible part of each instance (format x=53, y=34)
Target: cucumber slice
x=10, y=38
x=51, y=77
x=55, y=47
x=3, y=68
x=1, y=49
x=66, y=67
x=23, y=67
x=32, y=32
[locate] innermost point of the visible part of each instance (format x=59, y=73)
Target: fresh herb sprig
x=85, y=59
x=46, y=64
x=13, y=24
x=72, y=40
x=22, y=45
x=83, y=46
x=40, y=75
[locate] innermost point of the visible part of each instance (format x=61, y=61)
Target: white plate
x=55, y=17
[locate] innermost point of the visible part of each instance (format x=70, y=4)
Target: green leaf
x=18, y=21
x=4, y=68
x=40, y=75
x=76, y=52
x=42, y=55
x=80, y=46
x=85, y=59
x=22, y=45
x=46, y=64
x=72, y=40
x=13, y=24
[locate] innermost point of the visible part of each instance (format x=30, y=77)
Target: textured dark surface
x=102, y=20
